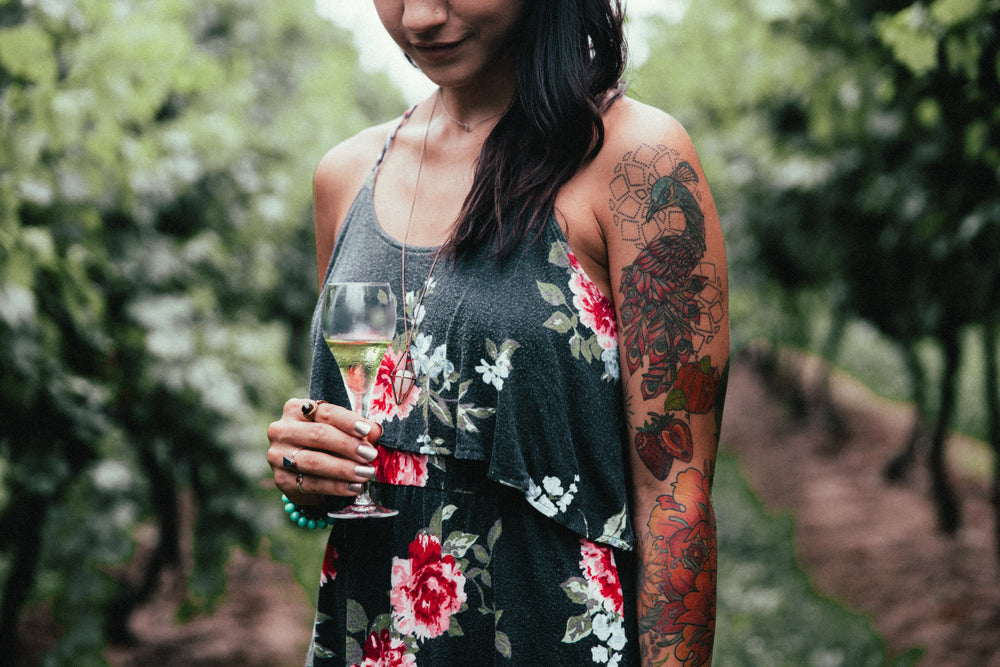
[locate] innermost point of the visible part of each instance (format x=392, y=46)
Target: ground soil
x=872, y=545
x=867, y=543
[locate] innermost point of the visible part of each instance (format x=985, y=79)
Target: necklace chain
x=465, y=126
x=404, y=376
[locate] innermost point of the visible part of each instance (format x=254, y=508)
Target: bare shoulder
x=629, y=119
x=345, y=166
x=338, y=177
x=646, y=150
x=641, y=131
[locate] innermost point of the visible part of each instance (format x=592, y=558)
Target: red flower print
x=596, y=310
x=598, y=565
x=329, y=572
x=685, y=567
x=383, y=405
x=383, y=650
x=426, y=589
x=394, y=466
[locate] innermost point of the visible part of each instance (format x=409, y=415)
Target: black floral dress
x=513, y=545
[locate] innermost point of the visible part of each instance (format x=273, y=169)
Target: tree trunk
x=167, y=551
x=944, y=495
x=991, y=336
x=901, y=463
x=24, y=518
x=823, y=396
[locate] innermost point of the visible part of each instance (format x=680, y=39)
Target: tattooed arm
x=667, y=267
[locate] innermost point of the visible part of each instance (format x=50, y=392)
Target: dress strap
x=392, y=135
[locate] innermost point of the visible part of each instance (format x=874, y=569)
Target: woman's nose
x=423, y=15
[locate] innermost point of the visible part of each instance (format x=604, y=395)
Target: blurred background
x=157, y=276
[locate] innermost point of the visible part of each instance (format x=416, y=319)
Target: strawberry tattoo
x=661, y=441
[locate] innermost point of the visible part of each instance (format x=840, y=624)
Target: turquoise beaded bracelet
x=300, y=515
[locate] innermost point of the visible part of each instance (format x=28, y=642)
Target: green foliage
x=156, y=279
x=854, y=153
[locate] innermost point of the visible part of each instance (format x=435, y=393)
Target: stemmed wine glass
x=358, y=321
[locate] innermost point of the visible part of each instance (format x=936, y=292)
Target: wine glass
x=358, y=321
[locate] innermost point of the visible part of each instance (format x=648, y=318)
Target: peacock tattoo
x=660, y=289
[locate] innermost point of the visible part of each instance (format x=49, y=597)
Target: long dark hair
x=571, y=57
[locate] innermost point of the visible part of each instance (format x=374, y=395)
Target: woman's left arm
x=667, y=267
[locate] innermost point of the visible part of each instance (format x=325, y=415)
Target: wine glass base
x=369, y=511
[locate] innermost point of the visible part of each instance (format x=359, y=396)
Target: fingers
x=334, y=415
x=333, y=429
x=333, y=451
x=308, y=489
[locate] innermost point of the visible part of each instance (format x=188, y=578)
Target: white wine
x=359, y=361
x=358, y=320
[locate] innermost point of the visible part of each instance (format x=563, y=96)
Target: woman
x=554, y=505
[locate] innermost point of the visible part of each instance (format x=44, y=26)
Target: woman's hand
x=328, y=455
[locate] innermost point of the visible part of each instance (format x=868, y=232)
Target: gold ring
x=298, y=483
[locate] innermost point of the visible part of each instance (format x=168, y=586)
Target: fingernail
x=367, y=452
x=355, y=487
x=362, y=428
x=364, y=471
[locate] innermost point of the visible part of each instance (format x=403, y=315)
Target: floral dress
x=513, y=545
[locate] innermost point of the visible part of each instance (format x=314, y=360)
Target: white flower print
x=550, y=498
x=494, y=374
x=499, y=370
x=610, y=359
x=599, y=590
x=599, y=654
x=610, y=629
x=419, y=349
x=437, y=365
x=553, y=487
x=417, y=311
x=538, y=499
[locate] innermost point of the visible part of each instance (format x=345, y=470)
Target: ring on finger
x=298, y=483
x=288, y=461
x=310, y=408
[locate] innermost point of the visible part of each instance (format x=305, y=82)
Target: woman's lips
x=436, y=50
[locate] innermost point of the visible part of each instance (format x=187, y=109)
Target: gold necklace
x=466, y=126
x=403, y=376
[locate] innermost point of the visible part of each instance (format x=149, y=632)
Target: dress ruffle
x=512, y=371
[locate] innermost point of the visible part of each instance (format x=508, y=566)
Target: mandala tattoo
x=673, y=300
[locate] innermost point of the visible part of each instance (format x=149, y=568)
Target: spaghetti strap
x=392, y=135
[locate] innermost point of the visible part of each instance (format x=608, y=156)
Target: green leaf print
x=558, y=255
x=320, y=651
x=481, y=554
x=502, y=643
x=559, y=323
x=577, y=628
x=494, y=534
x=595, y=346
x=458, y=543
x=576, y=589
x=357, y=620
x=552, y=294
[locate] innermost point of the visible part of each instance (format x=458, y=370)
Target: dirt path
x=264, y=620
x=865, y=542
